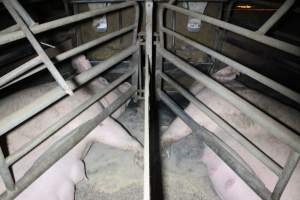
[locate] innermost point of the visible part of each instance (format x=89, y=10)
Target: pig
x=58, y=182
x=227, y=184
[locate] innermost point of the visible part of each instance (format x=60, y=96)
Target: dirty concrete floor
x=112, y=173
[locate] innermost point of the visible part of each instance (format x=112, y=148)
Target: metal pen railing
x=59, y=148
x=277, y=129
x=30, y=30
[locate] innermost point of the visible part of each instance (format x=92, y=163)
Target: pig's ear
x=81, y=63
x=226, y=74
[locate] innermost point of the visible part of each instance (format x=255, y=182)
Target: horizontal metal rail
x=278, y=44
x=236, y=135
x=18, y=117
x=65, y=119
x=10, y=37
x=275, y=128
x=218, y=147
x=62, y=146
x=8, y=79
x=251, y=73
x=19, y=71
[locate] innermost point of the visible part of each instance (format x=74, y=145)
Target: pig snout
x=226, y=74
x=81, y=63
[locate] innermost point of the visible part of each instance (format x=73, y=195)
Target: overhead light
x=244, y=6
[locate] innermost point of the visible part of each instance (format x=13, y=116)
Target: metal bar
x=136, y=22
x=286, y=47
x=159, y=58
x=235, y=134
x=65, y=119
x=251, y=73
x=16, y=118
x=35, y=44
x=276, y=17
x=77, y=40
x=147, y=107
x=219, y=148
x=135, y=64
x=173, y=28
x=274, y=127
x=9, y=29
x=4, y=39
x=156, y=1
x=287, y=172
x=23, y=13
x=62, y=146
x=5, y=173
x=159, y=69
x=72, y=52
x=19, y=71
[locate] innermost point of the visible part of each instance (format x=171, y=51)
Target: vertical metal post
x=40, y=51
x=158, y=58
x=136, y=22
x=5, y=173
x=173, y=29
x=158, y=69
x=148, y=70
x=135, y=65
x=77, y=36
x=276, y=16
x=286, y=174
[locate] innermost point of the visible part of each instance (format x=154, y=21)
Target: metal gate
x=277, y=129
x=28, y=30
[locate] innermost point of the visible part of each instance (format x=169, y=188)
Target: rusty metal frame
x=275, y=128
x=57, y=150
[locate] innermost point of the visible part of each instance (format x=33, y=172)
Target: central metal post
x=148, y=66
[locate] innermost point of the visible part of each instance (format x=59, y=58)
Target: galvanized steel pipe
x=230, y=62
x=19, y=71
x=62, y=146
x=16, y=118
x=235, y=134
x=10, y=37
x=61, y=57
x=65, y=119
x=276, y=16
x=286, y=47
x=220, y=148
x=274, y=127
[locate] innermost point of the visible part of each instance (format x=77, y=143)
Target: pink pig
x=227, y=184
x=58, y=182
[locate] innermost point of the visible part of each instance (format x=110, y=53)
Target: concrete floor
x=112, y=173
